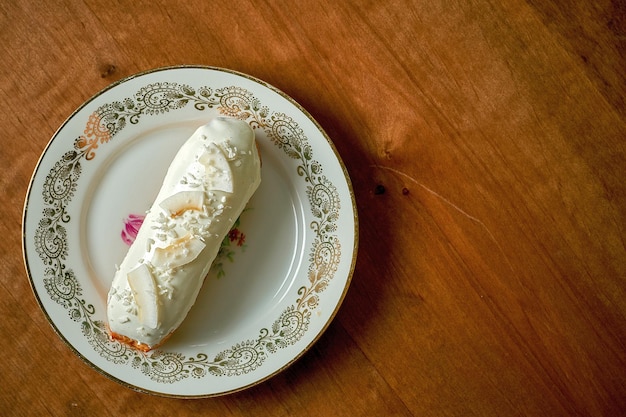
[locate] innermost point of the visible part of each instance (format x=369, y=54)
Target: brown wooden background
x=491, y=275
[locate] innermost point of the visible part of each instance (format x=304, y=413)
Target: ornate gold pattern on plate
x=64, y=288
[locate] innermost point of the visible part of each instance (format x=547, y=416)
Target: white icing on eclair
x=207, y=186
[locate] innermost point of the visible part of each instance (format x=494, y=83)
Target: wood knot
x=107, y=70
x=379, y=189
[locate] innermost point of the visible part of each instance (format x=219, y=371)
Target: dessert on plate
x=207, y=186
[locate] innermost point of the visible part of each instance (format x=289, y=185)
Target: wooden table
x=486, y=145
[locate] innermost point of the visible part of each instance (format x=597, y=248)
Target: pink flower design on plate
x=131, y=228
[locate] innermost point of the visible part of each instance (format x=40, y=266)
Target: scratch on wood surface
x=451, y=204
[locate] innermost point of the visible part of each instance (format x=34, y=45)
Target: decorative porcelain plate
x=282, y=272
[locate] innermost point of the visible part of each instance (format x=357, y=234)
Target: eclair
x=207, y=186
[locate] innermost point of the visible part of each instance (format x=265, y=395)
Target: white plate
x=275, y=294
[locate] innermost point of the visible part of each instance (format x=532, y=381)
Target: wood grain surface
x=486, y=145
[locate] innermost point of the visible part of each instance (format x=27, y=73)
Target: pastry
x=207, y=186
